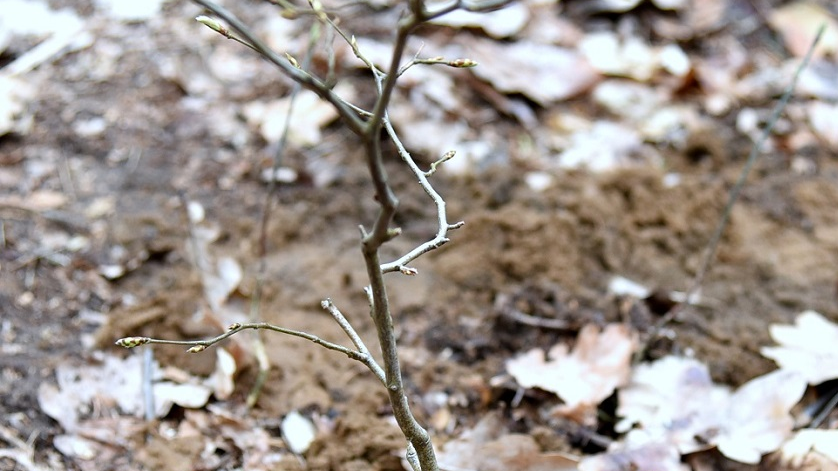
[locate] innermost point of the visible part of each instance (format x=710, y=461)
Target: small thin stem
x=712, y=246
x=441, y=237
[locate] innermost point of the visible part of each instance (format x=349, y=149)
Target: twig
x=197, y=346
x=535, y=321
x=443, y=226
x=712, y=246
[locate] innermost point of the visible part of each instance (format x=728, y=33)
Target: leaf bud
x=131, y=342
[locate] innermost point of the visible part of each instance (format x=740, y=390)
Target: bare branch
x=304, y=78
x=443, y=226
x=201, y=345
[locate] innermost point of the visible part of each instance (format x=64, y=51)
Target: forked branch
x=368, y=126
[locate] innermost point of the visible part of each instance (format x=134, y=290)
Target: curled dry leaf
x=599, y=363
x=622, y=286
x=189, y=396
x=808, y=347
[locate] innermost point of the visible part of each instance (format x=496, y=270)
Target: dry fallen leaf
x=115, y=381
x=798, y=24
x=757, y=420
x=808, y=347
x=129, y=10
x=819, y=80
x=670, y=399
x=599, y=363
x=674, y=401
x=544, y=73
x=309, y=115
x=189, y=396
x=15, y=95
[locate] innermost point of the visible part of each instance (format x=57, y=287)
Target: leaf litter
x=671, y=407
x=665, y=408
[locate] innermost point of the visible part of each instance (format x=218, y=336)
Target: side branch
x=443, y=226
x=197, y=346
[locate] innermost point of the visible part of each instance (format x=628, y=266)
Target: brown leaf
x=599, y=363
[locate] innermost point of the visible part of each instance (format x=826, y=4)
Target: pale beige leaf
x=758, y=419
x=674, y=401
x=544, y=73
x=309, y=115
x=822, y=118
x=798, y=24
x=190, y=396
x=599, y=363
x=221, y=381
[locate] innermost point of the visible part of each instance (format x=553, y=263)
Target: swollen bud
x=211, y=23
x=462, y=63
x=196, y=349
x=131, y=342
